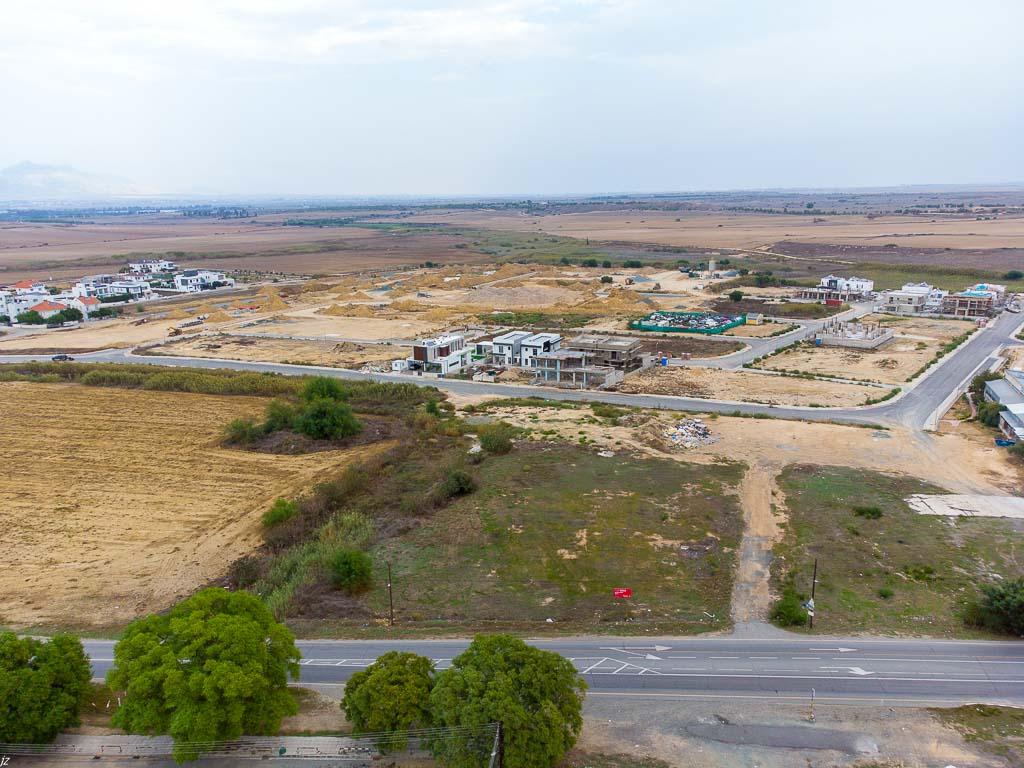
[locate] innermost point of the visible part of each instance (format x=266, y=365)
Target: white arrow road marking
x=852, y=670
x=652, y=657
x=840, y=650
x=639, y=650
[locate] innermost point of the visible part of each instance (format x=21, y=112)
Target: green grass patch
x=929, y=567
x=998, y=730
x=554, y=528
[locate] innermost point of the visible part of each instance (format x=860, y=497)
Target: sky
x=496, y=97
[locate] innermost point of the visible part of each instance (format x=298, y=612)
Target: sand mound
x=177, y=314
x=407, y=305
x=347, y=310
x=219, y=316
x=271, y=301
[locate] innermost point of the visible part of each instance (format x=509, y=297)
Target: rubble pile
x=689, y=433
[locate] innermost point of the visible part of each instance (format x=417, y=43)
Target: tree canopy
x=42, y=685
x=392, y=694
x=537, y=695
x=213, y=668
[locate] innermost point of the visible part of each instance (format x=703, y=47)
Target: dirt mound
x=177, y=314
x=347, y=310
x=407, y=305
x=220, y=316
x=271, y=301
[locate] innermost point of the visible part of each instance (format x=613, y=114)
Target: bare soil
x=343, y=354
x=745, y=386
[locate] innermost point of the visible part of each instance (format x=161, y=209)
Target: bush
x=279, y=415
x=606, y=411
x=241, y=432
x=1013, y=274
x=496, y=438
x=606, y=264
x=736, y=296
x=458, y=483
x=325, y=419
x=788, y=611
x=392, y=695
x=42, y=686
x=871, y=513
x=432, y=408
x=589, y=262
x=351, y=571
x=31, y=317
x=885, y=593
x=282, y=510
x=919, y=572
x=323, y=388
x=1017, y=450
x=988, y=414
x=1002, y=606
x=606, y=278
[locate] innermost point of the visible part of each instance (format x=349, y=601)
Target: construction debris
x=689, y=433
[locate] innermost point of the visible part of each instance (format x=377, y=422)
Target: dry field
x=916, y=342
x=334, y=354
x=354, y=328
x=714, y=384
x=99, y=334
x=747, y=230
x=118, y=502
x=63, y=250
x=758, y=331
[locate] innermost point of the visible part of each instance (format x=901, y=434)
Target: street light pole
x=814, y=583
x=391, y=600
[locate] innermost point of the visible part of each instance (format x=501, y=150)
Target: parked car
x=61, y=358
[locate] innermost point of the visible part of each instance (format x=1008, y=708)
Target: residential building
x=834, y=288
x=1011, y=421
x=1008, y=390
x=537, y=344
x=47, y=309
x=194, y=280
x=913, y=299
x=152, y=267
x=29, y=287
x=85, y=304
x=977, y=301
x=622, y=352
x=573, y=368
x=442, y=355
x=507, y=347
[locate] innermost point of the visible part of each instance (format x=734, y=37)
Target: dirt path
x=751, y=597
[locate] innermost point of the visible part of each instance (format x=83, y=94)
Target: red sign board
x=622, y=592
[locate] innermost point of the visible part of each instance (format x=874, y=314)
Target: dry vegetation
x=342, y=354
x=116, y=502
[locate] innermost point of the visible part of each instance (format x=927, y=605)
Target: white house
x=834, y=288
x=507, y=347
x=442, y=355
x=193, y=280
x=152, y=266
x=912, y=299
x=85, y=304
x=537, y=344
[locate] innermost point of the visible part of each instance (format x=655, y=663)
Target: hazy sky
x=515, y=96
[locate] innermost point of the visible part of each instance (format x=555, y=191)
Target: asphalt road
x=894, y=672
x=913, y=409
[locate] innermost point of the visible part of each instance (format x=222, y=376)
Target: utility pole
x=501, y=745
x=391, y=599
x=814, y=583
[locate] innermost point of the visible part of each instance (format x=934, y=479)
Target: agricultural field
x=117, y=502
x=916, y=342
x=883, y=567
x=715, y=384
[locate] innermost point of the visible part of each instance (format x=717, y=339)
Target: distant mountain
x=33, y=181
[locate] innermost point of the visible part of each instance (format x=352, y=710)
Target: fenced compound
x=708, y=323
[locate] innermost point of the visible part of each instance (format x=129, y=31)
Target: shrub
x=736, y=296
x=282, y=510
x=788, y=611
x=606, y=411
x=1013, y=274
x=241, y=431
x=31, y=317
x=1002, y=606
x=279, y=415
x=323, y=388
x=871, y=513
x=919, y=572
x=324, y=419
x=988, y=414
x=496, y=438
x=351, y=571
x=606, y=264
x=432, y=408
x=885, y=593
x=606, y=278
x=458, y=483
x=1017, y=450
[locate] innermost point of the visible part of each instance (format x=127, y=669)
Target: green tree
x=280, y=414
x=606, y=278
x=736, y=296
x=606, y=264
x=392, y=694
x=42, y=686
x=31, y=317
x=213, y=668
x=537, y=696
x=69, y=315
x=988, y=414
x=325, y=419
x=1013, y=274
x=351, y=571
